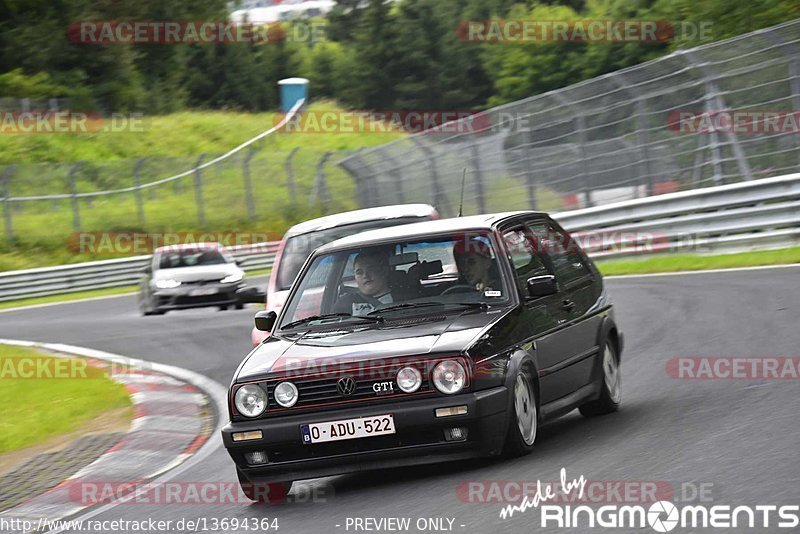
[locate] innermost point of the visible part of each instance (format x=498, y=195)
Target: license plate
x=360, y=427
x=202, y=292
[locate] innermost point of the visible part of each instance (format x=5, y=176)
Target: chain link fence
x=260, y=187
x=632, y=133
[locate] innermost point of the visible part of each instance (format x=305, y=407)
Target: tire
x=143, y=309
x=264, y=492
x=523, y=420
x=223, y=308
x=239, y=306
x=611, y=387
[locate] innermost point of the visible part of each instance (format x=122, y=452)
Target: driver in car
x=372, y=271
x=475, y=267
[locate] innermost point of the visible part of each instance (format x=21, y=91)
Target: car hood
x=303, y=353
x=199, y=272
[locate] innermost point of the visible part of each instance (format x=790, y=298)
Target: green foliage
x=378, y=54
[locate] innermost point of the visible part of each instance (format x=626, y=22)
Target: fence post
x=478, y=177
x=198, y=190
x=793, y=68
x=7, y=215
x=137, y=180
x=398, y=178
x=439, y=198
x=76, y=212
x=714, y=102
x=248, y=185
x=642, y=135
x=580, y=131
x=290, y=177
x=321, y=191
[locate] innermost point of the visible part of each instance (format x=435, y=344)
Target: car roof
x=189, y=246
x=421, y=229
x=368, y=214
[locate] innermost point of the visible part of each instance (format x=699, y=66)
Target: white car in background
x=301, y=239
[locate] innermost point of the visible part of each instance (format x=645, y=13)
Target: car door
x=544, y=318
x=579, y=291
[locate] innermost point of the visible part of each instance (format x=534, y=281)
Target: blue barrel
x=292, y=90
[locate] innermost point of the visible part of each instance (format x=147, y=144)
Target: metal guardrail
x=757, y=214
x=748, y=215
x=64, y=279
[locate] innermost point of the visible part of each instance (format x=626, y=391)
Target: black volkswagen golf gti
x=423, y=343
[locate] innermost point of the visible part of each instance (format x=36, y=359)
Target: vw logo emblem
x=346, y=386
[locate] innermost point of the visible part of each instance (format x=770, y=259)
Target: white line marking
x=214, y=390
x=707, y=271
x=48, y=304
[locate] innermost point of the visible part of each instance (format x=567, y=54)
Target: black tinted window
x=522, y=248
x=568, y=262
x=190, y=258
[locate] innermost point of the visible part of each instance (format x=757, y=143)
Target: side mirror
x=265, y=320
x=237, y=262
x=541, y=286
x=248, y=295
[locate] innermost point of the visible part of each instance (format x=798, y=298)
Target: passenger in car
x=475, y=265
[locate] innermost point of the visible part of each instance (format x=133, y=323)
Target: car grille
x=319, y=392
x=315, y=392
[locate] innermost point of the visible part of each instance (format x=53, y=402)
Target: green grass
x=187, y=133
x=700, y=262
x=36, y=410
x=43, y=230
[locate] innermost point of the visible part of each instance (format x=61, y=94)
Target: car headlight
x=449, y=376
x=250, y=400
x=286, y=394
x=232, y=278
x=168, y=283
x=409, y=379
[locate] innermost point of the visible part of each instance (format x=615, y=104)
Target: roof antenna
x=461, y=204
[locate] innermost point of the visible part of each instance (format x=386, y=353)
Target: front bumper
x=182, y=297
x=419, y=439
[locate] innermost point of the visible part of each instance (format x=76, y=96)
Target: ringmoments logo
x=660, y=516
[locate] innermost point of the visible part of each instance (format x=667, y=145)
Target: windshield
x=419, y=276
x=298, y=248
x=191, y=258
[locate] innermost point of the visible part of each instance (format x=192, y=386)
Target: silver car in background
x=190, y=276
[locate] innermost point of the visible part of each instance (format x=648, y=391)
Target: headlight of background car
x=250, y=400
x=286, y=394
x=449, y=376
x=167, y=284
x=232, y=278
x=409, y=379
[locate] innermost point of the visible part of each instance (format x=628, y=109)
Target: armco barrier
x=749, y=215
x=64, y=279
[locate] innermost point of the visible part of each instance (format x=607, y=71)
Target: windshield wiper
x=406, y=305
x=330, y=316
x=476, y=305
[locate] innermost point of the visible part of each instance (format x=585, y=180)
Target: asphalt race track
x=735, y=437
